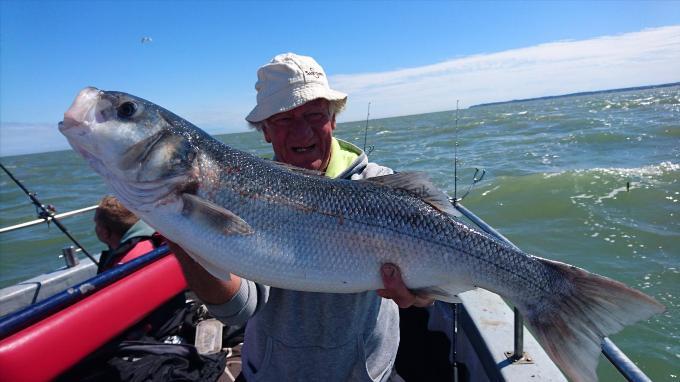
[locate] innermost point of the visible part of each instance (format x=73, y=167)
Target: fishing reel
x=476, y=178
x=45, y=211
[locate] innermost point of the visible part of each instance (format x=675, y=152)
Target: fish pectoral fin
x=420, y=185
x=447, y=293
x=209, y=213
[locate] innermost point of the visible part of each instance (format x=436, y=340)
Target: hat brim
x=287, y=100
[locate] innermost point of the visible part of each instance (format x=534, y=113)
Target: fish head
x=143, y=152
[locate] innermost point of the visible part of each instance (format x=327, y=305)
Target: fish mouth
x=303, y=149
x=69, y=126
x=81, y=111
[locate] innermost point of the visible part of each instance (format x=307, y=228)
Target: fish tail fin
x=572, y=322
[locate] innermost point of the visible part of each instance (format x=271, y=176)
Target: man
x=295, y=335
x=122, y=231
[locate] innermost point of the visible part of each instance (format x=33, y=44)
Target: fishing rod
x=454, y=307
x=47, y=213
x=455, y=160
x=370, y=148
x=475, y=179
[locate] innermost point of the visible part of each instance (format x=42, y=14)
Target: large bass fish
x=289, y=228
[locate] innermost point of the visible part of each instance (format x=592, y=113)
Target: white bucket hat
x=289, y=81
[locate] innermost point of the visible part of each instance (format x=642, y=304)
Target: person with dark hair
x=157, y=344
x=122, y=231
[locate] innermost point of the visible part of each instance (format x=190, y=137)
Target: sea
x=592, y=180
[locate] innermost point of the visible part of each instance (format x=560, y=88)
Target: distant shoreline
x=579, y=94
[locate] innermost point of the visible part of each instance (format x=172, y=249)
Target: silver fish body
x=287, y=228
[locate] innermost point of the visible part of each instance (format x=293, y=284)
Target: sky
x=403, y=57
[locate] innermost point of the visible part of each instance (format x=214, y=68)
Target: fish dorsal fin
x=219, y=218
x=298, y=170
x=418, y=184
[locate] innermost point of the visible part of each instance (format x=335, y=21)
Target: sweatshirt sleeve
x=249, y=299
x=372, y=170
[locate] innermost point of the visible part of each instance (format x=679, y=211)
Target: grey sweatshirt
x=304, y=336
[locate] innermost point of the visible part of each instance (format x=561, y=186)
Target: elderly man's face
x=302, y=136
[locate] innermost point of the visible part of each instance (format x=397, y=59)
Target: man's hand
x=397, y=291
x=207, y=287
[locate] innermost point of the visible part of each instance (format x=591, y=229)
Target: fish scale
x=397, y=211
x=286, y=228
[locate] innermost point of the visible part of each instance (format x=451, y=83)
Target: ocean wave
x=657, y=169
x=640, y=172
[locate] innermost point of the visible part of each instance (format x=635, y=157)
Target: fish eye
x=126, y=109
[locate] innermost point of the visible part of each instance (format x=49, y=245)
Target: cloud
x=646, y=57
x=26, y=138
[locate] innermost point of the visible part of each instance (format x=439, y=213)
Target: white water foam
x=644, y=171
x=640, y=172
x=485, y=193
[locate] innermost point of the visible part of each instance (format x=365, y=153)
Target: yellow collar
x=340, y=159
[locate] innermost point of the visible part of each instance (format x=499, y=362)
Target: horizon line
x=577, y=94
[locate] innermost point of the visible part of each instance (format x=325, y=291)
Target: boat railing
x=46, y=212
x=68, y=253
x=46, y=219
x=614, y=355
